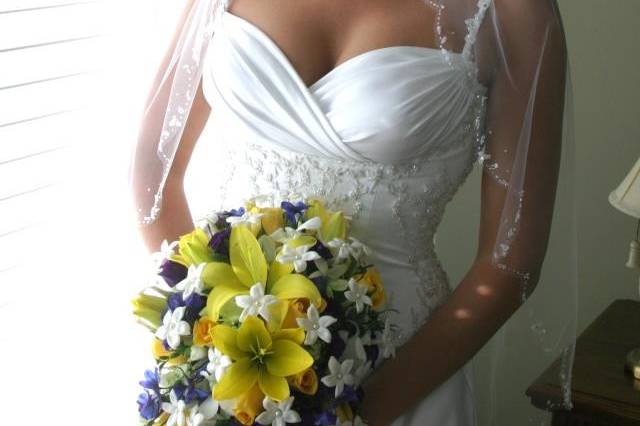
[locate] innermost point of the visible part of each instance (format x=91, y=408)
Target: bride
x=382, y=108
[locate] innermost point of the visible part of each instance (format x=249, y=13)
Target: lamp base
x=632, y=363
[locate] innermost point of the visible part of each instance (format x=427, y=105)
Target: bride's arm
x=174, y=218
x=487, y=296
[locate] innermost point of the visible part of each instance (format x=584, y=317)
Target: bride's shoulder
x=525, y=15
x=523, y=29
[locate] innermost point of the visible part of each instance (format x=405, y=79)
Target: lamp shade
x=626, y=197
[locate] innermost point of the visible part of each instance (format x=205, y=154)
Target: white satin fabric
x=388, y=136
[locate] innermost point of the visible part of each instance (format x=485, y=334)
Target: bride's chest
x=386, y=105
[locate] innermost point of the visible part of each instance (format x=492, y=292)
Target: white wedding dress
x=387, y=136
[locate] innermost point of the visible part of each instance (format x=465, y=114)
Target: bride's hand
x=374, y=411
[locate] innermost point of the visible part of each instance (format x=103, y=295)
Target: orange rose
x=249, y=406
x=159, y=351
x=323, y=305
x=306, y=381
x=372, y=280
x=158, y=348
x=203, y=332
x=297, y=309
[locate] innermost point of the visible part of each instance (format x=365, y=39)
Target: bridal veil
x=527, y=150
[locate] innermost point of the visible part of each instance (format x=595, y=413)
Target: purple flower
x=372, y=351
x=322, y=250
x=239, y=212
x=174, y=301
x=148, y=405
x=190, y=393
x=325, y=418
x=194, y=304
x=217, y=241
x=151, y=382
x=172, y=272
x=293, y=210
x=349, y=394
x=337, y=346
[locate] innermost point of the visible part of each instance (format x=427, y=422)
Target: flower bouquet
x=264, y=315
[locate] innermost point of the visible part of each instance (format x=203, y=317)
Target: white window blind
x=73, y=79
x=73, y=75
x=52, y=56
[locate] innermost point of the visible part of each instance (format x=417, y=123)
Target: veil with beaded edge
x=535, y=238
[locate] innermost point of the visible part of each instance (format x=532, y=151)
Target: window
x=73, y=77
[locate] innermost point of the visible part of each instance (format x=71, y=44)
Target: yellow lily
x=334, y=224
x=249, y=267
x=193, y=249
x=259, y=357
x=272, y=219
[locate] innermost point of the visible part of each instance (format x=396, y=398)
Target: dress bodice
x=387, y=136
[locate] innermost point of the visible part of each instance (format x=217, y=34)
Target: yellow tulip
x=259, y=357
x=148, y=309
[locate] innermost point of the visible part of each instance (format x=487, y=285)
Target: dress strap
x=473, y=26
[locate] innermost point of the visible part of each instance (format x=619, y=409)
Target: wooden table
x=603, y=393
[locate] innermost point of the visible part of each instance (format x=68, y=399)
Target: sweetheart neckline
x=341, y=65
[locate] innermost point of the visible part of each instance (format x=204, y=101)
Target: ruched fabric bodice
x=388, y=136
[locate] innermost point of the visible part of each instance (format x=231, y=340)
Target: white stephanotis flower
x=354, y=347
x=284, y=235
x=169, y=376
x=358, y=249
x=248, y=218
x=166, y=250
x=173, y=328
x=357, y=294
x=193, y=282
x=218, y=363
x=339, y=375
x=199, y=414
x=255, y=303
x=278, y=413
x=208, y=222
x=355, y=248
x=341, y=246
x=316, y=326
x=299, y=256
x=387, y=341
x=176, y=408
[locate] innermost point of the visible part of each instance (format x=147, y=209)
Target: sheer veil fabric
x=523, y=139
